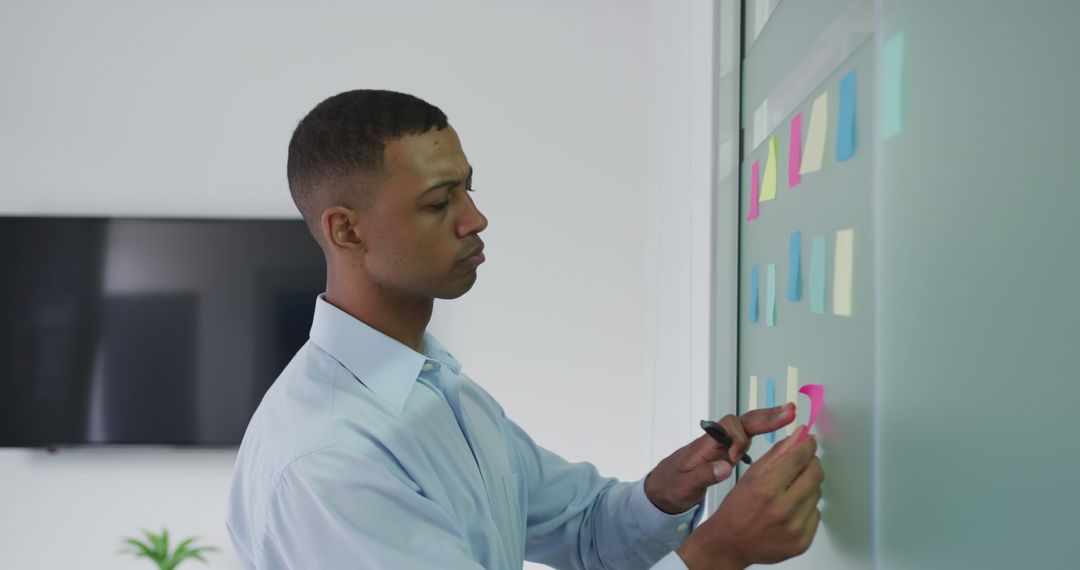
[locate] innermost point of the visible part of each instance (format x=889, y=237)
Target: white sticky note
x=814, y=151
x=751, y=400
x=792, y=392
x=842, y=272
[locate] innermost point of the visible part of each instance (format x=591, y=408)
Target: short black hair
x=345, y=136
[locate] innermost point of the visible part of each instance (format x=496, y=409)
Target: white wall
x=588, y=126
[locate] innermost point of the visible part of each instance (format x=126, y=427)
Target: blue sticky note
x=817, y=275
x=753, y=295
x=845, y=130
x=770, y=401
x=794, y=280
x=770, y=288
x=892, y=86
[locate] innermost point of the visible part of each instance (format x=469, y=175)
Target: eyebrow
x=447, y=183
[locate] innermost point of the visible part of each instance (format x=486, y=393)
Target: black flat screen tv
x=147, y=331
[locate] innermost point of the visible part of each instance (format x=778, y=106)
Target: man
x=373, y=450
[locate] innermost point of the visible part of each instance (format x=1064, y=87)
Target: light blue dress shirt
x=367, y=454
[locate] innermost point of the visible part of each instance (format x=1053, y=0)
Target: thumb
x=710, y=474
x=721, y=470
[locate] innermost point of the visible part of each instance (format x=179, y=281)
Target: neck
x=399, y=316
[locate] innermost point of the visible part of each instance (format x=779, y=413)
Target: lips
x=476, y=251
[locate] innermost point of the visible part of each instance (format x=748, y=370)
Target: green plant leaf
x=197, y=553
x=157, y=550
x=185, y=550
x=135, y=542
x=142, y=549
x=160, y=547
x=181, y=552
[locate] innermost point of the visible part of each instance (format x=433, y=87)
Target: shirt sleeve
x=670, y=562
x=334, y=509
x=578, y=519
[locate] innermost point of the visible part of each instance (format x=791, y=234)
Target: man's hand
x=679, y=482
x=769, y=516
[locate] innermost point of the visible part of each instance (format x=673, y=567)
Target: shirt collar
x=388, y=368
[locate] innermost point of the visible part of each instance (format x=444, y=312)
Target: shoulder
x=307, y=424
x=314, y=404
x=482, y=397
x=292, y=417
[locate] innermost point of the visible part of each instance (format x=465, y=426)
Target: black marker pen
x=721, y=437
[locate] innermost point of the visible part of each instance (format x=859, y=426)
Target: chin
x=459, y=290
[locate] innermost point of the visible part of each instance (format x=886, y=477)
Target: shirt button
x=428, y=366
x=682, y=527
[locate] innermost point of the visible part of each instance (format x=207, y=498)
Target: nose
x=472, y=221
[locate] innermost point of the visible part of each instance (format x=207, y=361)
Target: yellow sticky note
x=792, y=392
x=842, y=272
x=768, y=183
x=814, y=151
x=751, y=401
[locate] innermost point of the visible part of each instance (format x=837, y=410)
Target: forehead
x=425, y=158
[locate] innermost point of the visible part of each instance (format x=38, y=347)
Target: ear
x=341, y=228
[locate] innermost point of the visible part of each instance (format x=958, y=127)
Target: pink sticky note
x=795, y=152
x=816, y=393
x=755, y=191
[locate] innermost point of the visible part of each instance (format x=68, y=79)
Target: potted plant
x=158, y=550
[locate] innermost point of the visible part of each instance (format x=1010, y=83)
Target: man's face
x=422, y=227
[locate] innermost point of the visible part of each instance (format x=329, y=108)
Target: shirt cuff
x=658, y=525
x=670, y=562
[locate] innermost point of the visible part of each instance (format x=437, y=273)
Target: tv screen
x=147, y=331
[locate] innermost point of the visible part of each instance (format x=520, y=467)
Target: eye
x=440, y=206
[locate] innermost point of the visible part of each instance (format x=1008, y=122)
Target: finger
x=740, y=442
x=801, y=497
x=704, y=449
x=785, y=468
x=806, y=482
x=778, y=450
x=765, y=420
x=801, y=511
x=809, y=530
x=693, y=485
x=712, y=473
